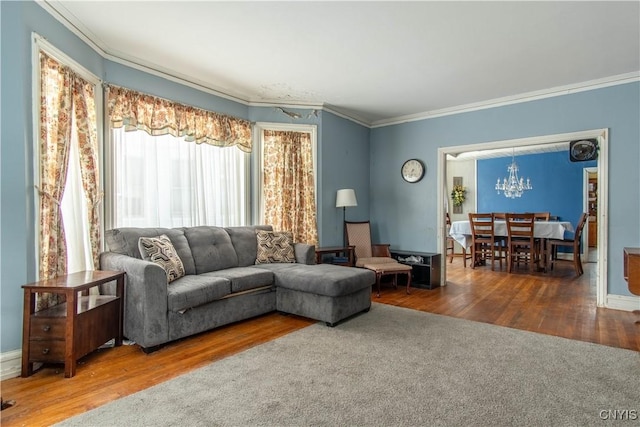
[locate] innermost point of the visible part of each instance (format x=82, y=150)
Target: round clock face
x=412, y=170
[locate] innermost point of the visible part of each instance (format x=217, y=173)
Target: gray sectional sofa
x=223, y=284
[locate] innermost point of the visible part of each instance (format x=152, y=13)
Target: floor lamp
x=345, y=198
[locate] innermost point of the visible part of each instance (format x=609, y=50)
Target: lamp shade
x=346, y=197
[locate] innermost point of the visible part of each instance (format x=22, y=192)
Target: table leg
x=28, y=309
x=69, y=351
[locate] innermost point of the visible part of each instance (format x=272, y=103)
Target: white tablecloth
x=461, y=230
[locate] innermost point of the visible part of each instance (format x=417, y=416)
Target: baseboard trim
x=10, y=364
x=622, y=302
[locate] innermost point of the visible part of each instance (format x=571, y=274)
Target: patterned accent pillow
x=161, y=251
x=275, y=247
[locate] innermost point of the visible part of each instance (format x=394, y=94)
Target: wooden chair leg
x=464, y=257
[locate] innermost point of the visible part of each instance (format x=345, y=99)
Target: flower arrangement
x=458, y=195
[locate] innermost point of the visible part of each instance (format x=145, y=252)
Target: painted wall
x=408, y=212
x=556, y=181
x=17, y=230
x=346, y=145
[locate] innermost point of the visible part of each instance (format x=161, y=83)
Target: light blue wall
x=17, y=235
x=407, y=213
x=17, y=230
x=344, y=163
x=556, y=181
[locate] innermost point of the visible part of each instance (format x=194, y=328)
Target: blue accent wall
x=557, y=185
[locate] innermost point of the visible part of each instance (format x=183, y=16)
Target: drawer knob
x=45, y=351
x=46, y=328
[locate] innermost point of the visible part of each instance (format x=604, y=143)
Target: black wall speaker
x=583, y=150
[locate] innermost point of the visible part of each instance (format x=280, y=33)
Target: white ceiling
x=376, y=62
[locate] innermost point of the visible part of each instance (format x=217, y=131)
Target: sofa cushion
x=244, y=278
x=211, y=248
x=160, y=250
x=321, y=279
x=245, y=242
x=192, y=291
x=274, y=247
x=125, y=241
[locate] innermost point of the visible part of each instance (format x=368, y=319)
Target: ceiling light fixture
x=513, y=186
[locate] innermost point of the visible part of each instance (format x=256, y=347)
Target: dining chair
x=483, y=240
x=541, y=216
x=571, y=243
x=451, y=244
x=522, y=246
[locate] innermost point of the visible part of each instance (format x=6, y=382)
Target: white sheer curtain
x=164, y=181
x=75, y=213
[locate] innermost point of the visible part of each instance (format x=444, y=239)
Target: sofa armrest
x=305, y=254
x=145, y=298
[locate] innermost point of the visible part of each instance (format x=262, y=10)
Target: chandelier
x=513, y=186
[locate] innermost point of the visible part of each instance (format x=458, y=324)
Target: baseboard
x=622, y=302
x=10, y=364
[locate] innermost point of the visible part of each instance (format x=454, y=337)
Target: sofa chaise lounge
x=221, y=283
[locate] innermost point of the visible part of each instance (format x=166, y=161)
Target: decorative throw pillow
x=161, y=251
x=274, y=246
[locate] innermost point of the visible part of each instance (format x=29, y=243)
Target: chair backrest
x=581, y=223
x=358, y=234
x=481, y=225
x=502, y=216
x=520, y=226
x=541, y=216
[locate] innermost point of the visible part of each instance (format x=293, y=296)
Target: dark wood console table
x=66, y=332
x=425, y=274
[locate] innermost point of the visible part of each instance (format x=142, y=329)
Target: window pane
x=164, y=181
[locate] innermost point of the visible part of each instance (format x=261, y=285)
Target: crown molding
x=514, y=99
x=86, y=36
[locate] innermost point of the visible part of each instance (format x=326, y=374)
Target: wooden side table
x=346, y=251
x=66, y=332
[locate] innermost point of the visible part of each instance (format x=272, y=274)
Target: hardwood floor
x=556, y=304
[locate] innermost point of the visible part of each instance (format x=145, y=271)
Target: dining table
x=544, y=230
x=461, y=230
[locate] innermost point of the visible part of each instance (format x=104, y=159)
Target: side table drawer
x=47, y=328
x=46, y=350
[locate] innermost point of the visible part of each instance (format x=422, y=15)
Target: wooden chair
x=541, y=216
x=483, y=240
x=573, y=244
x=522, y=246
x=358, y=235
x=374, y=257
x=451, y=242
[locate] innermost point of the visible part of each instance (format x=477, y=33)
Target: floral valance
x=158, y=116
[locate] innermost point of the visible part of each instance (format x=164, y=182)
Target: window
x=66, y=164
x=165, y=181
x=287, y=180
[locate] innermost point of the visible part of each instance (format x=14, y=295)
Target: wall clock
x=583, y=150
x=412, y=170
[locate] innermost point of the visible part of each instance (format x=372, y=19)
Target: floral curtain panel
x=64, y=93
x=158, y=116
x=289, y=186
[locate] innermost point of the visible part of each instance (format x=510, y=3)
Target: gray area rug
x=395, y=367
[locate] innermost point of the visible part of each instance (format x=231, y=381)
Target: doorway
x=600, y=191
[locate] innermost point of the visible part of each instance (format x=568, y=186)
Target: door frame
x=603, y=206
